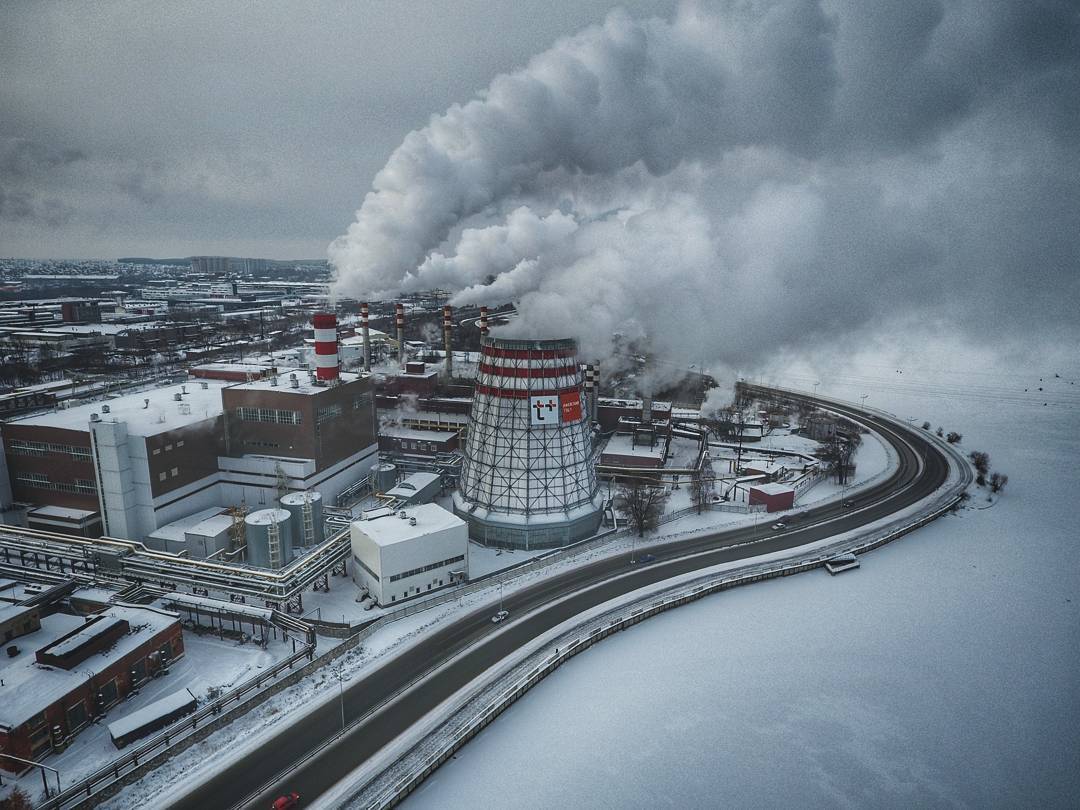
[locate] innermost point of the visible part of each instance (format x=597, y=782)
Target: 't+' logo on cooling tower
x=543, y=410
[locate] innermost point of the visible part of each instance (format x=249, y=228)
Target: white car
x=498, y=617
x=778, y=526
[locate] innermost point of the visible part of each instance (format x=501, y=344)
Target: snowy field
x=941, y=673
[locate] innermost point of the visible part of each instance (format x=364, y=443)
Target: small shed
x=775, y=497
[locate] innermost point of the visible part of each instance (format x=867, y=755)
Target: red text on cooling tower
x=570, y=405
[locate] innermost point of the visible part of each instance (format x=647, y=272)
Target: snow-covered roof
x=163, y=414
x=175, y=530
x=29, y=687
x=206, y=603
x=264, y=517
x=415, y=433
x=414, y=483
x=772, y=489
x=304, y=385
x=64, y=512
x=149, y=713
x=622, y=444
x=392, y=529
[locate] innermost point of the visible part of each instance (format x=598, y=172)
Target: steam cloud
x=752, y=177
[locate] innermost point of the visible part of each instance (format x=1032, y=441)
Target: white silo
x=269, y=538
x=306, y=517
x=527, y=478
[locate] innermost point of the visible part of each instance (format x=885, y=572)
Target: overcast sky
x=799, y=171
x=183, y=128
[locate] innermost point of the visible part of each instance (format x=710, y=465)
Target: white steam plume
x=750, y=177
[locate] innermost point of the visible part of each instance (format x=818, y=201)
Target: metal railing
x=592, y=631
x=183, y=728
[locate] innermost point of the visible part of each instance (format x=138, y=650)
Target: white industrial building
x=413, y=552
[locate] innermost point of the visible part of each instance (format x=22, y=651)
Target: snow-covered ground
x=208, y=667
x=941, y=673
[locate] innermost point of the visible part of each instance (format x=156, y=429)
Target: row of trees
x=952, y=437
x=983, y=475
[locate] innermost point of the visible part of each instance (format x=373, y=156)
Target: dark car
x=286, y=802
x=645, y=558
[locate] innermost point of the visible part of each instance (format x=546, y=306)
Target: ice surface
x=941, y=673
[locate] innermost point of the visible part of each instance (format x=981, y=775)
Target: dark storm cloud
x=763, y=174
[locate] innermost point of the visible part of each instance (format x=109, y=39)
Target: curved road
x=267, y=772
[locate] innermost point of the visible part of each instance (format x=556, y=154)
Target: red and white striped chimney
x=326, y=350
x=483, y=321
x=367, y=335
x=399, y=322
x=447, y=326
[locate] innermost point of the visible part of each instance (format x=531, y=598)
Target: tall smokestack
x=326, y=349
x=483, y=321
x=367, y=335
x=399, y=322
x=646, y=409
x=447, y=326
x=591, y=390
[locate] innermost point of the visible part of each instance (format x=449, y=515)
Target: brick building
x=73, y=669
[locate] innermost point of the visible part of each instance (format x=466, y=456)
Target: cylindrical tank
x=306, y=517
x=269, y=538
x=385, y=477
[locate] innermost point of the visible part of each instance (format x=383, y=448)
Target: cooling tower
x=527, y=479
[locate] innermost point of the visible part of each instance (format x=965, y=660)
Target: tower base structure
x=528, y=479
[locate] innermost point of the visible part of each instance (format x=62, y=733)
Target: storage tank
x=269, y=538
x=385, y=477
x=306, y=517
x=527, y=477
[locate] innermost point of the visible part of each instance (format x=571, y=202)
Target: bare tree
x=701, y=486
x=998, y=482
x=642, y=503
x=981, y=462
x=953, y=437
x=18, y=799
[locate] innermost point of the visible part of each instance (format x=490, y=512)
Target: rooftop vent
x=105, y=409
x=145, y=404
x=402, y=514
x=95, y=417
x=412, y=521
x=273, y=381
x=183, y=389
x=293, y=382
x=178, y=397
x=204, y=385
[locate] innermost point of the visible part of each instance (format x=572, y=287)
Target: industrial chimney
x=326, y=349
x=367, y=336
x=591, y=390
x=447, y=326
x=399, y=322
x=483, y=321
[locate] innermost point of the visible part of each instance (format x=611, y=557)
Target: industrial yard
x=375, y=477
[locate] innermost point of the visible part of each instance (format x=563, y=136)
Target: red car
x=286, y=802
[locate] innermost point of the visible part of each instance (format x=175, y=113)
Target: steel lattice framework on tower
x=528, y=478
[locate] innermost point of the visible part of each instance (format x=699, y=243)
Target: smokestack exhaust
x=326, y=349
x=399, y=322
x=367, y=336
x=448, y=325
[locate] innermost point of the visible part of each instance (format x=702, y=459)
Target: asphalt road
x=267, y=772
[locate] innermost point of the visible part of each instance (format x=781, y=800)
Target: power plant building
x=141, y=461
x=410, y=553
x=528, y=479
